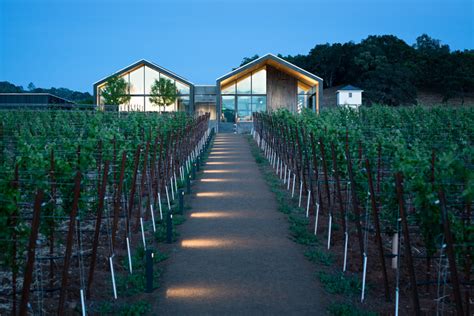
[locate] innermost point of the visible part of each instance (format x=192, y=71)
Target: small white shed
x=349, y=96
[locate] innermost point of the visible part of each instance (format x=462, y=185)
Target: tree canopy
x=115, y=91
x=163, y=93
x=75, y=96
x=389, y=70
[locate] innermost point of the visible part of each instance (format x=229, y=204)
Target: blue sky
x=72, y=43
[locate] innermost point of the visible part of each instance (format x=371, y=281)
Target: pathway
x=234, y=255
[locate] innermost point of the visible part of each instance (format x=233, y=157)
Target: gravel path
x=234, y=256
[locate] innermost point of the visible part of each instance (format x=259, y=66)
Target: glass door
x=228, y=109
x=244, y=109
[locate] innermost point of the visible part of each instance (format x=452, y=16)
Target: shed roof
x=350, y=88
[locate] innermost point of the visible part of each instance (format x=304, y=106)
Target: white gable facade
x=349, y=96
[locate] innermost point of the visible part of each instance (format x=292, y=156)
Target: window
x=350, y=94
x=243, y=86
x=230, y=89
x=259, y=103
x=137, y=103
x=259, y=82
x=182, y=88
x=137, y=81
x=245, y=96
x=303, y=96
x=183, y=103
x=244, y=109
x=163, y=76
x=150, y=76
x=228, y=109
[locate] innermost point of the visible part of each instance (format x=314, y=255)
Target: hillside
x=71, y=95
x=424, y=97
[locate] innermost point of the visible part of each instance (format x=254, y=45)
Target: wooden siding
x=281, y=90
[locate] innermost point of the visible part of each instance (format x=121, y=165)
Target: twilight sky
x=73, y=43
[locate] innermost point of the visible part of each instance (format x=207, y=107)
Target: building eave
x=263, y=61
x=146, y=63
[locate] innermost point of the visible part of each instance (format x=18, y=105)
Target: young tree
x=115, y=91
x=163, y=93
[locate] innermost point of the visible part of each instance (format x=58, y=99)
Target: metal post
x=149, y=270
x=181, y=200
x=169, y=228
x=188, y=185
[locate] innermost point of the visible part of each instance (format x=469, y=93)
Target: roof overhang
x=276, y=62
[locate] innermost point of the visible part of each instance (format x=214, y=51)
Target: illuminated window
x=166, y=77
x=150, y=76
x=137, y=103
x=230, y=89
x=137, y=84
x=243, y=85
x=259, y=82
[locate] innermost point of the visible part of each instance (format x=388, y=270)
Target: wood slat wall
x=281, y=90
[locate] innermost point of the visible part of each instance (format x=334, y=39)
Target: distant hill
x=71, y=95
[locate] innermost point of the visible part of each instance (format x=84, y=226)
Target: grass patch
x=340, y=284
x=131, y=284
x=125, y=309
x=344, y=309
x=299, y=230
x=319, y=256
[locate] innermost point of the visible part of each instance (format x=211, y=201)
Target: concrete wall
x=344, y=99
x=281, y=90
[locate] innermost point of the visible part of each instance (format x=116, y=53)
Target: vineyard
x=389, y=193
x=85, y=197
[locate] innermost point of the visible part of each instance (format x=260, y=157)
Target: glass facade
x=228, y=109
x=244, y=108
x=139, y=82
x=244, y=96
x=303, y=96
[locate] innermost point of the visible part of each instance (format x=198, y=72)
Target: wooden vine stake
x=378, y=235
x=28, y=276
x=355, y=203
x=69, y=241
x=451, y=256
x=98, y=221
x=406, y=236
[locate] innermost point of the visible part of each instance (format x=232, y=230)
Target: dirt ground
x=234, y=255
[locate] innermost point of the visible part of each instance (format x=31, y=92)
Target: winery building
x=265, y=84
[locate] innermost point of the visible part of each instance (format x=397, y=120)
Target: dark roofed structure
x=31, y=100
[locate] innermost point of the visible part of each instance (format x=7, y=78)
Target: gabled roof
x=280, y=63
x=350, y=88
x=148, y=64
